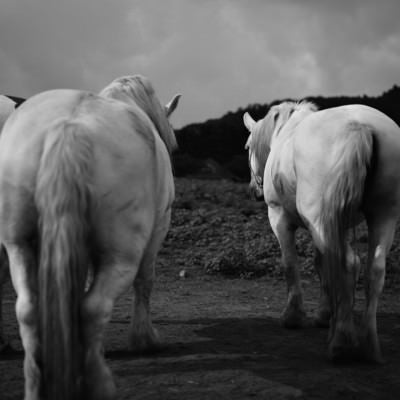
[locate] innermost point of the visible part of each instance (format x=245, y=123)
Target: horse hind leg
x=22, y=268
x=109, y=282
x=380, y=239
x=4, y=344
x=294, y=315
x=143, y=337
x=324, y=312
x=343, y=339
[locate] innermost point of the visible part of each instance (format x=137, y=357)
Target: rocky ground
x=217, y=300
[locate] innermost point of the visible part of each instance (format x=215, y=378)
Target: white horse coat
x=85, y=182
x=325, y=171
x=7, y=106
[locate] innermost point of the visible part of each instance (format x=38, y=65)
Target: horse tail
x=341, y=200
x=63, y=202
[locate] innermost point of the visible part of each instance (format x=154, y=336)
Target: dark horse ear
x=170, y=107
x=17, y=100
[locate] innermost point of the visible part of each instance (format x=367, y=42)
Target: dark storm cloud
x=220, y=54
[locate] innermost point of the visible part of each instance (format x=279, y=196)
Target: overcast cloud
x=220, y=54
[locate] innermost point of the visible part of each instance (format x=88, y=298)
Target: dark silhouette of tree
x=223, y=139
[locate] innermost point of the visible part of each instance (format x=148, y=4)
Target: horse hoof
x=104, y=391
x=98, y=382
x=322, y=319
x=344, y=347
x=371, y=351
x=294, y=320
x=144, y=349
x=148, y=343
x=342, y=353
x=320, y=322
x=377, y=359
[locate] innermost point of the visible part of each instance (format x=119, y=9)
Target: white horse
x=85, y=183
x=7, y=106
x=326, y=171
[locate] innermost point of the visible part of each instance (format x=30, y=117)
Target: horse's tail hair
x=341, y=200
x=63, y=202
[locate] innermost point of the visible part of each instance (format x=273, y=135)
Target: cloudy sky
x=220, y=54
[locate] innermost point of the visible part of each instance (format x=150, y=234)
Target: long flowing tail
x=341, y=200
x=63, y=202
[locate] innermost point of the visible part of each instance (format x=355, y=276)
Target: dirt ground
x=216, y=303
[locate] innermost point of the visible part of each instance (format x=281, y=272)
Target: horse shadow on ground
x=263, y=348
x=260, y=349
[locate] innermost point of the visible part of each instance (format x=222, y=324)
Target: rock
x=183, y=274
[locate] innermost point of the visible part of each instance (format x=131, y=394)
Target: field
x=217, y=299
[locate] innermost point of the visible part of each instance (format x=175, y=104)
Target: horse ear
x=247, y=145
x=170, y=107
x=248, y=121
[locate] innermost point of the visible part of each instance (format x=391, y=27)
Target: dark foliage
x=235, y=263
x=185, y=164
x=223, y=139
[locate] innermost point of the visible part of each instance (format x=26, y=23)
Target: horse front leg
x=110, y=280
x=294, y=315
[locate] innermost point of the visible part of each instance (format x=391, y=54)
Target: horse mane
x=260, y=141
x=292, y=112
x=277, y=117
x=139, y=90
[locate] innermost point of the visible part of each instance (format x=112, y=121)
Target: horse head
x=263, y=134
x=138, y=90
x=259, y=146
x=256, y=168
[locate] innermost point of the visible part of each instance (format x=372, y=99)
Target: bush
x=234, y=263
x=239, y=167
x=185, y=164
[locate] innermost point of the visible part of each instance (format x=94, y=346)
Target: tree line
x=215, y=148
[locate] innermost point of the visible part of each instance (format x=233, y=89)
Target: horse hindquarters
x=342, y=197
